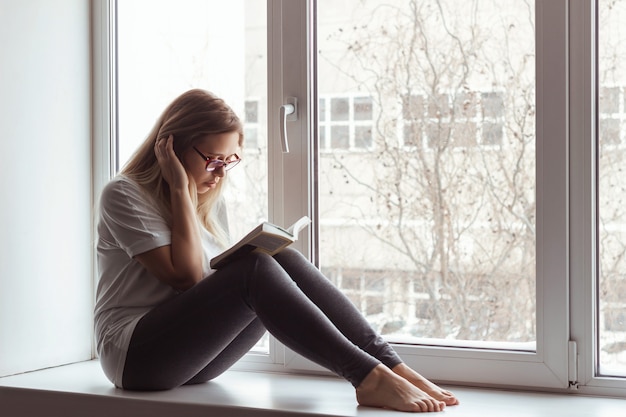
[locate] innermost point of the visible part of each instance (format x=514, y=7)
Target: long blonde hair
x=189, y=118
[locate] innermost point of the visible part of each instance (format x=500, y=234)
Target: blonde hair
x=189, y=118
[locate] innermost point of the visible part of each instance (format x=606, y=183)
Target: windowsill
x=81, y=389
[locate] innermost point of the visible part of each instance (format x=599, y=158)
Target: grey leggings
x=202, y=332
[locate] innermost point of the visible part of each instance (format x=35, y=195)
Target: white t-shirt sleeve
x=135, y=225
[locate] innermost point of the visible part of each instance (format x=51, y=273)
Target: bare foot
x=425, y=385
x=384, y=389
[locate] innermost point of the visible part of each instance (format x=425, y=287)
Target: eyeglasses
x=213, y=163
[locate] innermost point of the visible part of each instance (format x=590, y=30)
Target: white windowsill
x=82, y=390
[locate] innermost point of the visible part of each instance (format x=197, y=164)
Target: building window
x=367, y=291
x=612, y=113
x=453, y=120
x=345, y=123
x=251, y=123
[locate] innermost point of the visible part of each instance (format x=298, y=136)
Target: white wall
x=45, y=184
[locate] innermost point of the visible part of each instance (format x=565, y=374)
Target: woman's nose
x=219, y=172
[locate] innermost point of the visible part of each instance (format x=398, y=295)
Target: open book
x=266, y=237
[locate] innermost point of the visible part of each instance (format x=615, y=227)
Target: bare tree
x=453, y=153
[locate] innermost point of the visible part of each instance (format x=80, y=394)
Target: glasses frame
x=227, y=165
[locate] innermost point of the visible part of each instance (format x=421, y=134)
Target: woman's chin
x=207, y=187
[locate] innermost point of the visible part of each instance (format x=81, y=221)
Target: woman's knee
x=261, y=262
x=290, y=253
x=248, y=265
x=296, y=264
x=290, y=258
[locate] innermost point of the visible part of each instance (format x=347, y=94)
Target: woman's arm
x=179, y=264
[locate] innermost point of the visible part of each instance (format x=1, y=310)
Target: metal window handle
x=288, y=111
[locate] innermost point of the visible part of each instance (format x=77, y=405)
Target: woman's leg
x=205, y=327
x=231, y=354
x=296, y=321
x=183, y=340
x=342, y=312
x=179, y=340
x=336, y=306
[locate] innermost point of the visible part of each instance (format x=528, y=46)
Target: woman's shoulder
x=121, y=184
x=121, y=189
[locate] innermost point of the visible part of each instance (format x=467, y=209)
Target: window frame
x=549, y=366
x=566, y=355
x=584, y=226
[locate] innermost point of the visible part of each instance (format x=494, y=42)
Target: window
x=436, y=212
x=458, y=120
x=366, y=288
x=345, y=123
x=194, y=54
x=456, y=201
x=157, y=62
x=612, y=115
x=253, y=129
x=453, y=207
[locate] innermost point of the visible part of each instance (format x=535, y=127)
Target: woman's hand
x=172, y=169
x=180, y=263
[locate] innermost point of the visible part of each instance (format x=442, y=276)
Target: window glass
x=252, y=125
x=339, y=109
x=362, y=137
x=167, y=47
x=340, y=137
x=362, y=108
x=612, y=187
x=430, y=229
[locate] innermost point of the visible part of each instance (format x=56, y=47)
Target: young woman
x=164, y=319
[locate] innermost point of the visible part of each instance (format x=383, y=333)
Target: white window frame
x=583, y=132
x=548, y=367
x=565, y=198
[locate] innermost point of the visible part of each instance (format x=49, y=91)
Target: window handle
x=288, y=111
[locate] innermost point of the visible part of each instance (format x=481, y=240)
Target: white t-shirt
x=129, y=224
